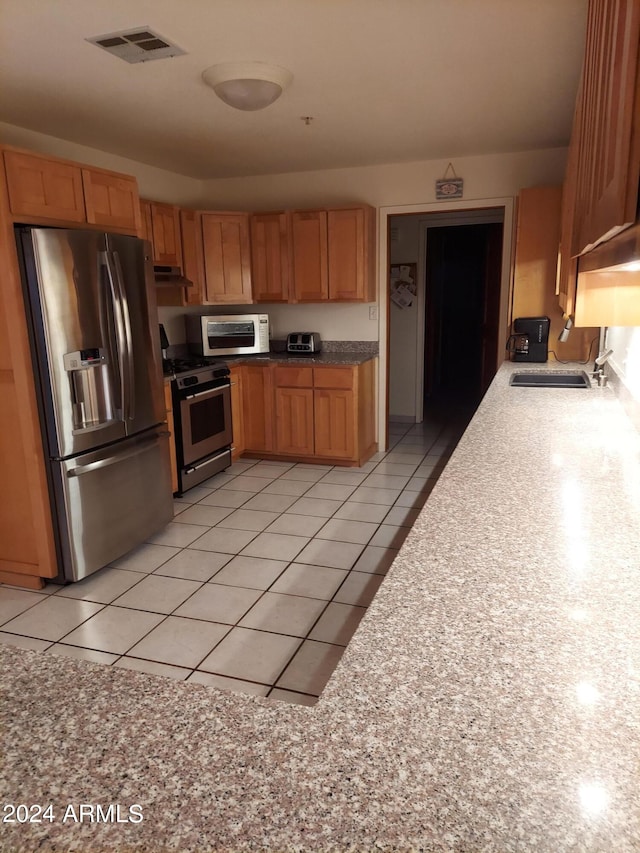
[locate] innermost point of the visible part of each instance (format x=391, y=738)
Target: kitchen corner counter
x=489, y=700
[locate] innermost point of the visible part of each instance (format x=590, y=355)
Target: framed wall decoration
x=450, y=186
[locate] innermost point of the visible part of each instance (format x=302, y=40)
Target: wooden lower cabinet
x=294, y=421
x=334, y=424
x=257, y=408
x=237, y=412
x=168, y=402
x=320, y=413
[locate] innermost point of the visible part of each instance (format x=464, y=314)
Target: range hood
x=170, y=276
x=608, y=292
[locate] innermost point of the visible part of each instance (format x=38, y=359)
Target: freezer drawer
x=111, y=500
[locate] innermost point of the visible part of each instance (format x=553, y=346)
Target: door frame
x=508, y=205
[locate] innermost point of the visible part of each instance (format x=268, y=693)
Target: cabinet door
x=310, y=272
x=257, y=407
x=192, y=254
x=39, y=187
x=567, y=268
x=227, y=259
x=167, y=249
x=147, y=225
x=350, y=255
x=609, y=124
x=270, y=256
x=535, y=268
x=294, y=421
x=334, y=421
x=112, y=200
x=237, y=415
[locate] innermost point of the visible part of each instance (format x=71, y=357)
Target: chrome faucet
x=598, y=369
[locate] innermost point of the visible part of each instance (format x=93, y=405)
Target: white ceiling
x=385, y=80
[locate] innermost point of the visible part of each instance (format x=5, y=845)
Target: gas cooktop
x=179, y=366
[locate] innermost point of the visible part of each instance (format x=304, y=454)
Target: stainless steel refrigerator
x=96, y=353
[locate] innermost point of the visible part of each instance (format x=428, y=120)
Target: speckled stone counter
x=346, y=357
x=489, y=701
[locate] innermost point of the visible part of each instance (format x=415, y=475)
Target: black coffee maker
x=530, y=339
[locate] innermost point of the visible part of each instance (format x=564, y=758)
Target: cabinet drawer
x=294, y=377
x=333, y=377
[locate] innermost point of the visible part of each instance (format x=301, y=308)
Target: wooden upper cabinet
x=147, y=226
x=192, y=254
x=567, y=265
x=41, y=187
x=167, y=244
x=270, y=256
x=607, y=129
x=351, y=262
x=309, y=257
x=112, y=200
x=227, y=260
x=534, y=274
x=334, y=255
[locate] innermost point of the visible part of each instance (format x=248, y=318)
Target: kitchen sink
x=575, y=379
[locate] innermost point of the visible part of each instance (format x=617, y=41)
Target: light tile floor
x=259, y=582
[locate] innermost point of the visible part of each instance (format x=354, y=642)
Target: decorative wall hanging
x=402, y=284
x=449, y=186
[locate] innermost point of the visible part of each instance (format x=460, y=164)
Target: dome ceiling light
x=247, y=85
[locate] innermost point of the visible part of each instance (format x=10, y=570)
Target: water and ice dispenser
x=90, y=387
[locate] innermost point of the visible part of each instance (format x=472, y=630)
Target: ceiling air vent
x=139, y=45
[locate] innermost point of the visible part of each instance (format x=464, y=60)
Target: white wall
x=157, y=184
x=625, y=343
x=391, y=184
x=334, y=323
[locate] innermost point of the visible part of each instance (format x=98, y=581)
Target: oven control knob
x=190, y=380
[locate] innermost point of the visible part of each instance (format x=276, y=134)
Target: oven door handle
x=208, y=391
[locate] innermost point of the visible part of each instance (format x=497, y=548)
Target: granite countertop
x=489, y=700
x=336, y=358
x=350, y=355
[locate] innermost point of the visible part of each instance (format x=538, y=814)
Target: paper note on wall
x=401, y=295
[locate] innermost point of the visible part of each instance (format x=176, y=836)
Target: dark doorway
x=461, y=314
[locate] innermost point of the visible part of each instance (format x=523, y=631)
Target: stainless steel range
x=201, y=393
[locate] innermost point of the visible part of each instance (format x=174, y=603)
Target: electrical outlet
x=373, y=312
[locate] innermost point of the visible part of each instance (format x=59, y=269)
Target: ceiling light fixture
x=247, y=85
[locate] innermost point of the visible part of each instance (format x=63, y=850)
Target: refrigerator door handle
x=119, y=457
x=120, y=332
x=131, y=375
x=123, y=333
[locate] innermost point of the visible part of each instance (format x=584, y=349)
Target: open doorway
x=444, y=346
x=462, y=290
